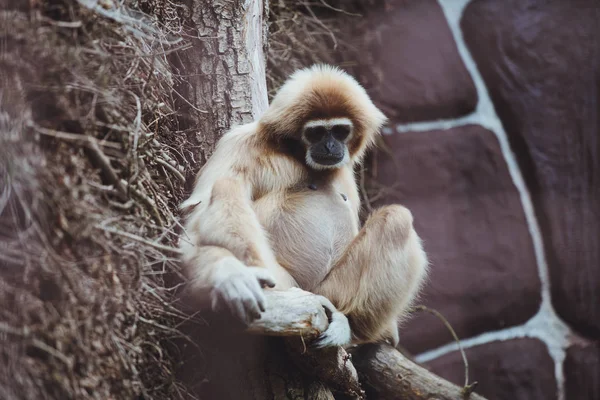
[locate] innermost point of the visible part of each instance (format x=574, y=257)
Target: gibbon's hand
x=239, y=288
x=338, y=333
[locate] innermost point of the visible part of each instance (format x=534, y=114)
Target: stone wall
x=494, y=144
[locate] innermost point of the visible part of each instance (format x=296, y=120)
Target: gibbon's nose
x=330, y=146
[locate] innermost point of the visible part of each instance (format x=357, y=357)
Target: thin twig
x=171, y=168
x=53, y=352
x=436, y=313
x=327, y=5
x=146, y=200
x=73, y=137
x=6, y=189
x=138, y=124
x=140, y=239
x=96, y=155
x=24, y=332
x=189, y=104
x=6, y=328
x=100, y=159
x=319, y=22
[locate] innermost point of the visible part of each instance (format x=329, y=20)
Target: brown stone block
x=518, y=369
x=468, y=212
x=582, y=372
x=411, y=62
x=541, y=60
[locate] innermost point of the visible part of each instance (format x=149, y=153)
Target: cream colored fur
x=255, y=219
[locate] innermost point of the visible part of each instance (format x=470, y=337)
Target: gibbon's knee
x=393, y=223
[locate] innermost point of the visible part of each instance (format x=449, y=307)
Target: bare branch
x=299, y=315
x=392, y=376
x=293, y=312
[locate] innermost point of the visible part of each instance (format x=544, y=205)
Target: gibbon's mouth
x=327, y=159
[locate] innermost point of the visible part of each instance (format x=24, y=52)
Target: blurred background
x=108, y=109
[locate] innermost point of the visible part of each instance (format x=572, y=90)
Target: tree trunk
x=222, y=74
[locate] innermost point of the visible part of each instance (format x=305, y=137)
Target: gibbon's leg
x=379, y=275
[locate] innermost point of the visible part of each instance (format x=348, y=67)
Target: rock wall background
x=494, y=145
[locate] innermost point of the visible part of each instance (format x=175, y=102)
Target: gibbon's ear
x=323, y=92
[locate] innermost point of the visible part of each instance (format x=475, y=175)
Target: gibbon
x=277, y=206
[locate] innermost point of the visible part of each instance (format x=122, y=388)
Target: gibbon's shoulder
x=239, y=139
x=240, y=133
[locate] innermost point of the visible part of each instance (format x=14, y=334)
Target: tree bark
x=222, y=72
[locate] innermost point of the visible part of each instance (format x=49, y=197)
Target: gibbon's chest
x=310, y=226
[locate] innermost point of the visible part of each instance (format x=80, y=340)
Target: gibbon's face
x=326, y=142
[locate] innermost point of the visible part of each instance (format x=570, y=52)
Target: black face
x=327, y=144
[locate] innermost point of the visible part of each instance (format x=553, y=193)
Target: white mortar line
x=545, y=325
x=440, y=124
x=474, y=118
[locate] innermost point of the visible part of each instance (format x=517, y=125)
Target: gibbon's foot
x=338, y=333
x=239, y=288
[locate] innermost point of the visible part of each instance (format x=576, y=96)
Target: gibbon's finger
x=214, y=301
x=248, y=301
x=259, y=295
x=231, y=297
x=262, y=302
x=328, y=307
x=325, y=340
x=252, y=299
x=252, y=309
x=318, y=342
x=264, y=277
x=219, y=300
x=322, y=341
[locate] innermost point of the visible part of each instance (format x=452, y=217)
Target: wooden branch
x=333, y=366
x=293, y=312
x=300, y=316
x=392, y=376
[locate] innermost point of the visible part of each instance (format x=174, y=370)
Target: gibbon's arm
x=225, y=245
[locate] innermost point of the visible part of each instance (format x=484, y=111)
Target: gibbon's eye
x=340, y=132
x=314, y=133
